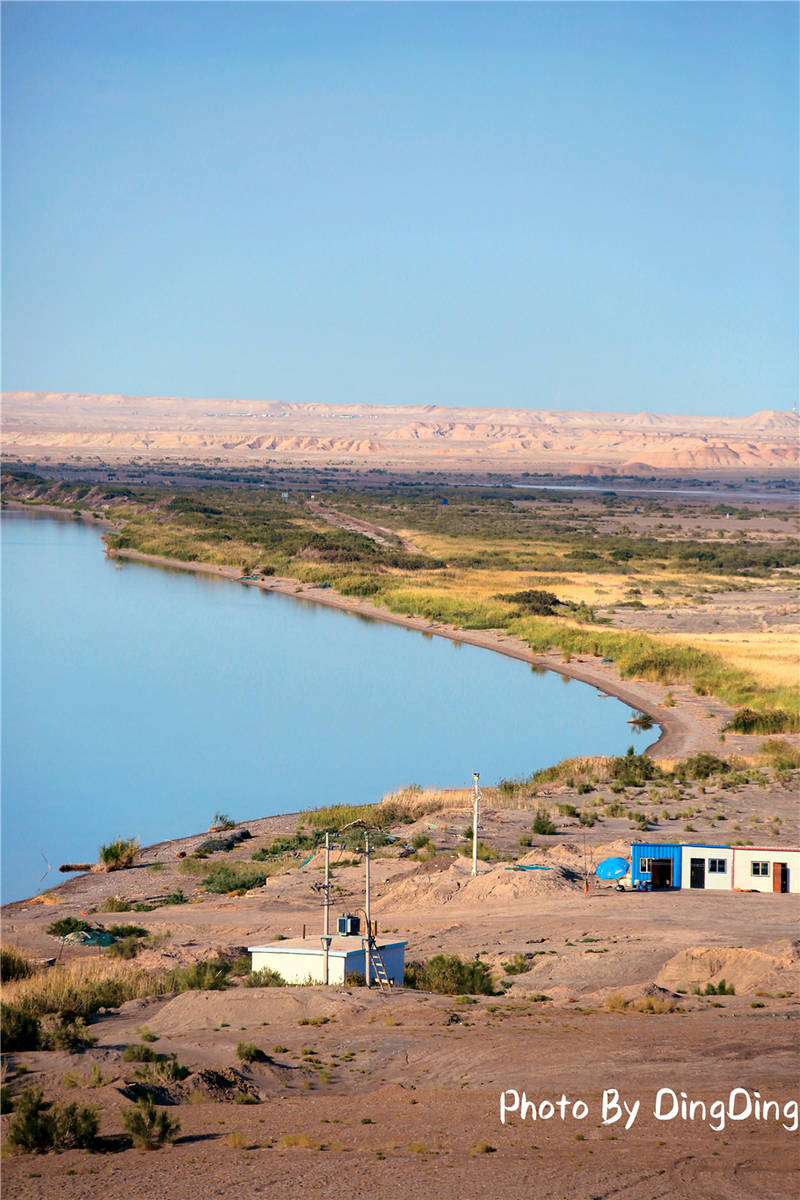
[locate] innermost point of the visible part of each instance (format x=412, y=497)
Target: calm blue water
x=138, y=701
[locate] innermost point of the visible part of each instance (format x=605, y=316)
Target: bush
x=517, y=964
x=140, y=1053
x=633, y=770
x=266, y=977
x=448, y=975
x=542, y=823
x=148, y=1126
x=67, y=925
x=209, y=975
x=20, y=1030
x=775, y=720
x=36, y=1128
x=234, y=877
x=484, y=853
x=114, y=904
x=248, y=1052
x=14, y=964
x=780, y=754
x=118, y=855
x=222, y=821
x=62, y=1031
x=700, y=766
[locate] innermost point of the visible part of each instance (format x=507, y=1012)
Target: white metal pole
x=366, y=908
x=327, y=908
x=476, y=798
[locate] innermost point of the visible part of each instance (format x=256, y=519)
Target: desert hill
x=115, y=427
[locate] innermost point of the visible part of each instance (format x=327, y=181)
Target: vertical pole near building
x=326, y=920
x=366, y=908
x=475, y=802
x=327, y=908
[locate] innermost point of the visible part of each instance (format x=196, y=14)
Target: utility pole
x=326, y=920
x=475, y=802
x=366, y=908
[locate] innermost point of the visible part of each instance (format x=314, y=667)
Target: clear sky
x=531, y=205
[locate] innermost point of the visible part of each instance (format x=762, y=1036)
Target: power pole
x=326, y=920
x=475, y=802
x=366, y=908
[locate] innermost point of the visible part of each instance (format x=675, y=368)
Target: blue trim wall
x=640, y=850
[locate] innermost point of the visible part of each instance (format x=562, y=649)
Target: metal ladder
x=378, y=966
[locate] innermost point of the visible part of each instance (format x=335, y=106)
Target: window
x=759, y=868
x=717, y=866
x=645, y=864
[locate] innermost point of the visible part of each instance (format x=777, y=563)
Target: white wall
x=299, y=968
x=743, y=856
x=714, y=882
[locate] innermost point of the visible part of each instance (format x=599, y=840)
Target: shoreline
x=685, y=729
x=680, y=731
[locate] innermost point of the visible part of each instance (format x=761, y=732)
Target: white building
x=707, y=867
x=766, y=869
x=300, y=960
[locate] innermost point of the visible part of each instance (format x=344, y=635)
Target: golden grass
x=773, y=658
x=83, y=986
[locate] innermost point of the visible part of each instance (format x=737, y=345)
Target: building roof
x=340, y=946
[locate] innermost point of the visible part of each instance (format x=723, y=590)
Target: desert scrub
x=114, y=905
x=119, y=854
x=81, y=988
x=14, y=964
x=516, y=965
x=149, y=1127
x=67, y=925
x=266, y=977
x=542, y=824
x=211, y=974
x=483, y=852
x=234, y=877
x=248, y=1052
x=37, y=1127
x=450, y=976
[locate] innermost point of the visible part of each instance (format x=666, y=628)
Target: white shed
x=300, y=960
x=707, y=867
x=766, y=869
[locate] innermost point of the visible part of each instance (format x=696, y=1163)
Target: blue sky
x=529, y=205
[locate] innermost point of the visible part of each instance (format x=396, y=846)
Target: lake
x=139, y=701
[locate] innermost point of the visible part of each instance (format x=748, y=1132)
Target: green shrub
x=248, y=1052
x=775, y=720
x=211, y=974
x=148, y=1126
x=36, y=1127
x=222, y=821
x=14, y=964
x=63, y=1031
x=517, y=964
x=450, y=976
x=20, y=1030
x=780, y=754
x=114, y=904
x=419, y=840
x=67, y=925
x=140, y=1053
x=633, y=770
x=119, y=854
x=266, y=977
x=542, y=823
x=234, y=877
x=484, y=853
x=700, y=766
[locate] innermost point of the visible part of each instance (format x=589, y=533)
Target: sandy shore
x=693, y=724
